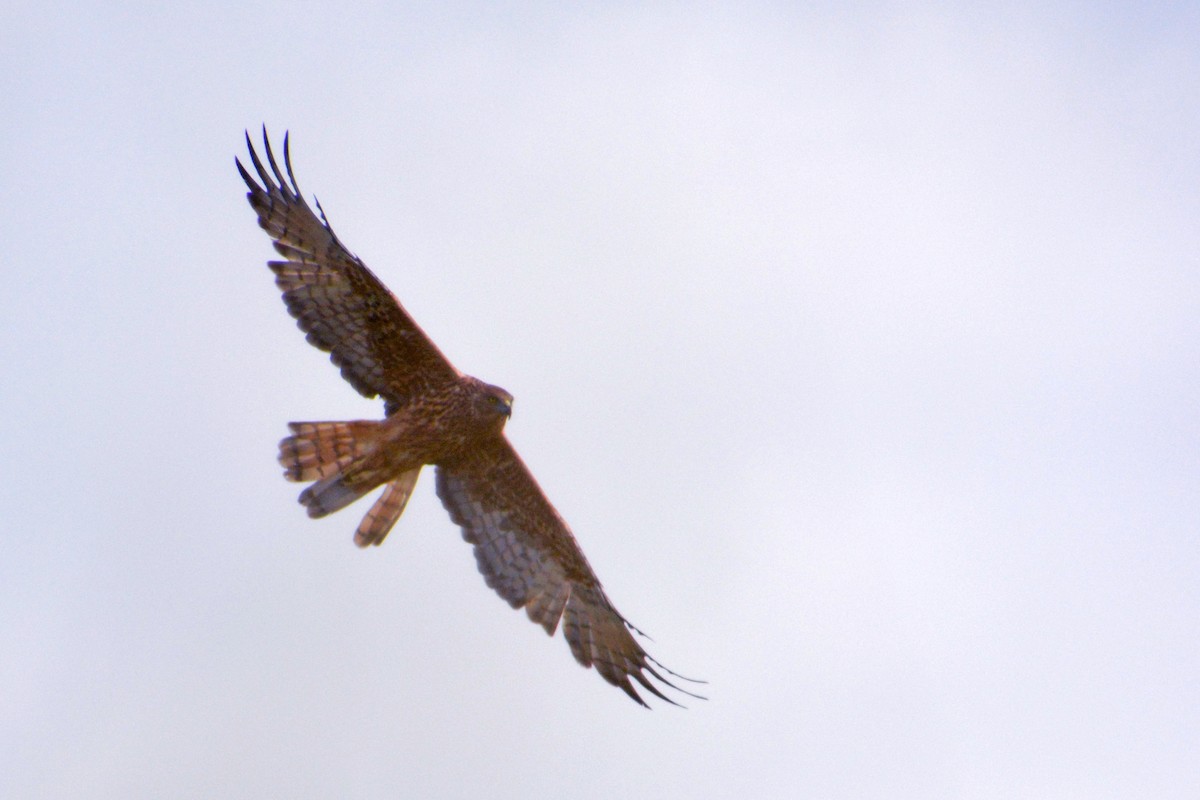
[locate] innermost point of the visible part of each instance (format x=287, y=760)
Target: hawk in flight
x=434, y=415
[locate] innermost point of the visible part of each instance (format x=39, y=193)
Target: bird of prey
x=434, y=415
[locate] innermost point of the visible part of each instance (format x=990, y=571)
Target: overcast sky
x=858, y=344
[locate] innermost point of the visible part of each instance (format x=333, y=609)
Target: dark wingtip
x=284, y=187
x=650, y=687
x=287, y=161
x=672, y=673
x=679, y=689
x=651, y=660
x=647, y=671
x=268, y=184
x=628, y=689
x=245, y=175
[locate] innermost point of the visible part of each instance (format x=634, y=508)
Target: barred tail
x=321, y=450
x=331, y=454
x=387, y=509
x=329, y=495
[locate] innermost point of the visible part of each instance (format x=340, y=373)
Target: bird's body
x=350, y=459
x=434, y=415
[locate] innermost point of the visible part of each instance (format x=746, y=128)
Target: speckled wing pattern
x=336, y=300
x=526, y=552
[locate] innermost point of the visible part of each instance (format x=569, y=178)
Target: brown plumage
x=433, y=415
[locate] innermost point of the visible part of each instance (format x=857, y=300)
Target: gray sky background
x=857, y=343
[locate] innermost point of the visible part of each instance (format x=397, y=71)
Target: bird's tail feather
x=332, y=494
x=332, y=454
x=328, y=452
x=387, y=509
x=321, y=450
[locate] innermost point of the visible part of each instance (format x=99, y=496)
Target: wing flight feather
x=336, y=300
x=528, y=555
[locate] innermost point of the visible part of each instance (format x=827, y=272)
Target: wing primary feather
x=284, y=188
x=325, y=222
x=287, y=162
x=675, y=674
x=657, y=675
x=324, y=218
x=650, y=687
x=637, y=630
x=626, y=687
x=254, y=187
x=268, y=184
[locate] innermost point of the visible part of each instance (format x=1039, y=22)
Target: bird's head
x=493, y=405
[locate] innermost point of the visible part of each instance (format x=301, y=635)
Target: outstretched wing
x=527, y=554
x=345, y=310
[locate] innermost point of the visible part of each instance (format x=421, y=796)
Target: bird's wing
x=527, y=554
x=345, y=310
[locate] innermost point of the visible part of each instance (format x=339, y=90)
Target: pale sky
x=858, y=344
